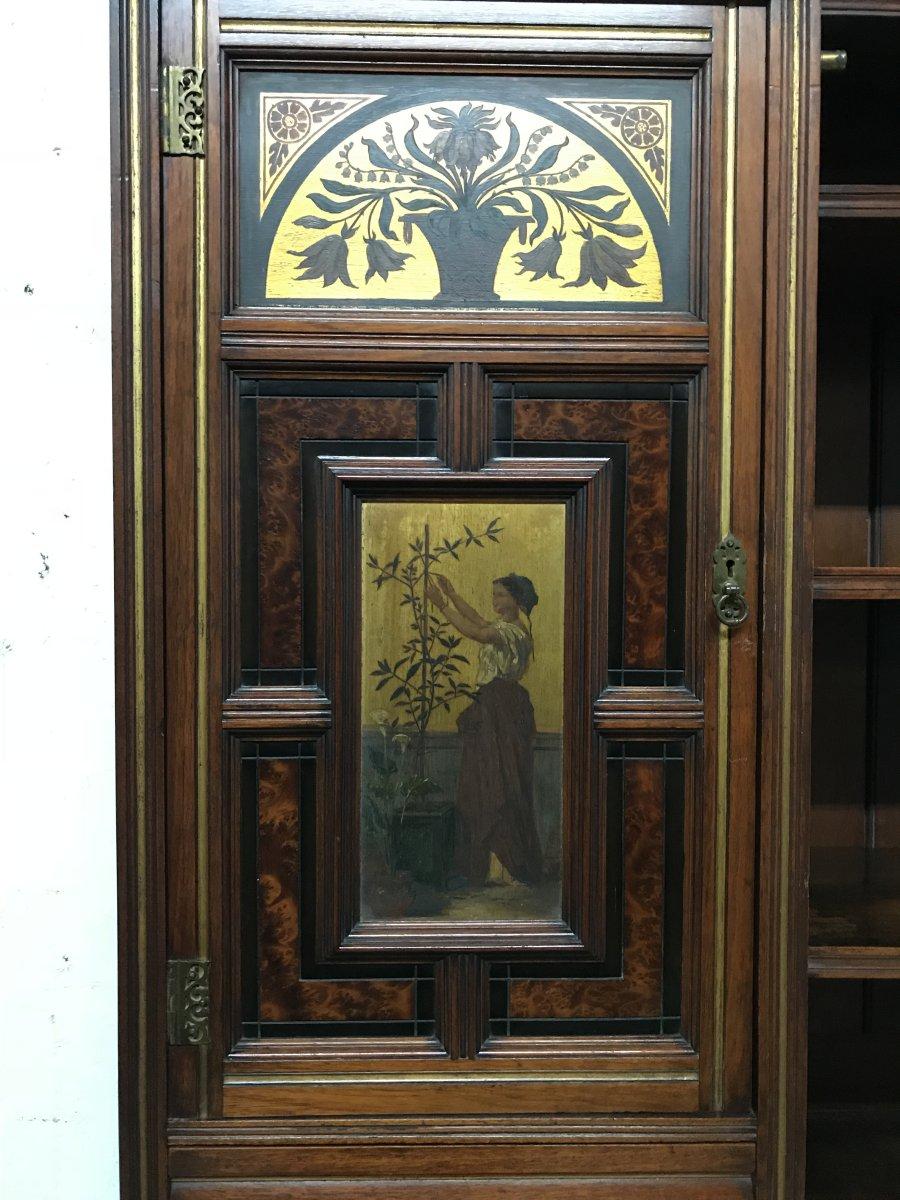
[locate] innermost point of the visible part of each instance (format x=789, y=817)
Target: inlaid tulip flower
x=543, y=259
x=382, y=258
x=603, y=259
x=326, y=259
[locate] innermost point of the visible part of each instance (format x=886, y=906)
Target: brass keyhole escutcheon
x=730, y=581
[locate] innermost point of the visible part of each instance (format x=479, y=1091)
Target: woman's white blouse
x=510, y=659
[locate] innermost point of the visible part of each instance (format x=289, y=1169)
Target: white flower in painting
x=381, y=717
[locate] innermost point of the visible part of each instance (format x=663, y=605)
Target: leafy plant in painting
x=469, y=190
x=392, y=785
x=425, y=677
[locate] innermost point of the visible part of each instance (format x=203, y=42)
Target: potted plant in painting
x=393, y=787
x=404, y=815
x=468, y=194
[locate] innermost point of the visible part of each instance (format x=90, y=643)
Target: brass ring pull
x=731, y=605
x=729, y=582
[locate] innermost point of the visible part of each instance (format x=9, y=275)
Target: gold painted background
x=533, y=543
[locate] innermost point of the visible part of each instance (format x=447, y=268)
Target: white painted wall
x=58, y=1137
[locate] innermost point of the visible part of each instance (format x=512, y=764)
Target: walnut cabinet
x=506, y=618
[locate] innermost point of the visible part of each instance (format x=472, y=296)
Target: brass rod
x=834, y=60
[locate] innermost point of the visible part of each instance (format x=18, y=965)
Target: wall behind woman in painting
x=58, y=1135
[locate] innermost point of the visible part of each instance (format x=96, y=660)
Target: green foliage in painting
x=427, y=674
x=426, y=677
x=393, y=783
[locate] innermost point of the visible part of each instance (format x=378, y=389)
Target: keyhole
x=729, y=566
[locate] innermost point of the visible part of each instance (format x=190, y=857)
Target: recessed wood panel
x=855, y=816
x=860, y=143
x=857, y=422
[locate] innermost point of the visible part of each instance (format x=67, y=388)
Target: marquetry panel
x=314, y=449
x=635, y=989
x=648, y=431
x=285, y=426
x=284, y=992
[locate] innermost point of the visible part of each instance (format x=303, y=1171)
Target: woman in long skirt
x=495, y=792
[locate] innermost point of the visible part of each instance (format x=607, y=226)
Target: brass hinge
x=184, y=111
x=187, y=1001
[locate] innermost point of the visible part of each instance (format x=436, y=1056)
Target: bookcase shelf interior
x=853, y=1144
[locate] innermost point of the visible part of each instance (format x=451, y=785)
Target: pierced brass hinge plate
x=184, y=111
x=187, y=1001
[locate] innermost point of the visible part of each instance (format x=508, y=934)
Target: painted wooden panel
x=462, y=192
x=462, y=672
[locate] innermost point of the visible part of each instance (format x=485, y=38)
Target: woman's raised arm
x=478, y=629
x=466, y=610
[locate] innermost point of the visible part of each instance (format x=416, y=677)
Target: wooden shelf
x=854, y=962
x=848, y=200
x=860, y=8
x=856, y=583
x=854, y=925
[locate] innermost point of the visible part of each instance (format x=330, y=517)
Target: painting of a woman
x=495, y=792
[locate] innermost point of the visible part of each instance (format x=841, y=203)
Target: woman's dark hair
x=522, y=591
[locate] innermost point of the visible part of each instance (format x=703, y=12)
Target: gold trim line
x=790, y=499
x=600, y=33
x=724, y=656
x=202, y=523
x=135, y=156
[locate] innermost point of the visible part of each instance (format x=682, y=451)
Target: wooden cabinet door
x=453, y=697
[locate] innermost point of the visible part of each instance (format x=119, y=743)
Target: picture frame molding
x=584, y=486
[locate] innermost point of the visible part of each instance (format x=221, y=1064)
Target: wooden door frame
x=786, y=694
x=139, y=455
